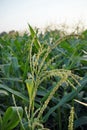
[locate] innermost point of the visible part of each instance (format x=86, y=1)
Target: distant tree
x=12, y=32
x=2, y=34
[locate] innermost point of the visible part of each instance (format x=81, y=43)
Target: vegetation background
x=43, y=71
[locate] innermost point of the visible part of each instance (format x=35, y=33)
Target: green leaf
x=0, y=121
x=5, y=68
x=15, y=66
x=14, y=92
x=20, y=95
x=67, y=47
x=30, y=86
x=11, y=118
x=31, y=31
x=3, y=92
x=80, y=121
x=13, y=79
x=66, y=98
x=34, y=36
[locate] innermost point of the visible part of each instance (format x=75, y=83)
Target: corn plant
x=39, y=72
x=38, y=61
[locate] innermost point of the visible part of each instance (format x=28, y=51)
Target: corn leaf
x=11, y=118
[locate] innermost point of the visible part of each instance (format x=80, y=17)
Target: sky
x=16, y=14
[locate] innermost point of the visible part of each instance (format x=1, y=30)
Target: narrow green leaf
x=80, y=121
x=14, y=92
x=3, y=92
x=11, y=118
x=66, y=98
x=34, y=36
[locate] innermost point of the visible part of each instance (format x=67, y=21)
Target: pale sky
x=15, y=14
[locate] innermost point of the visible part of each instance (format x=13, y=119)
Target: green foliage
x=81, y=121
x=11, y=119
x=45, y=72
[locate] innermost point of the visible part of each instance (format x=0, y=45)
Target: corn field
x=43, y=80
